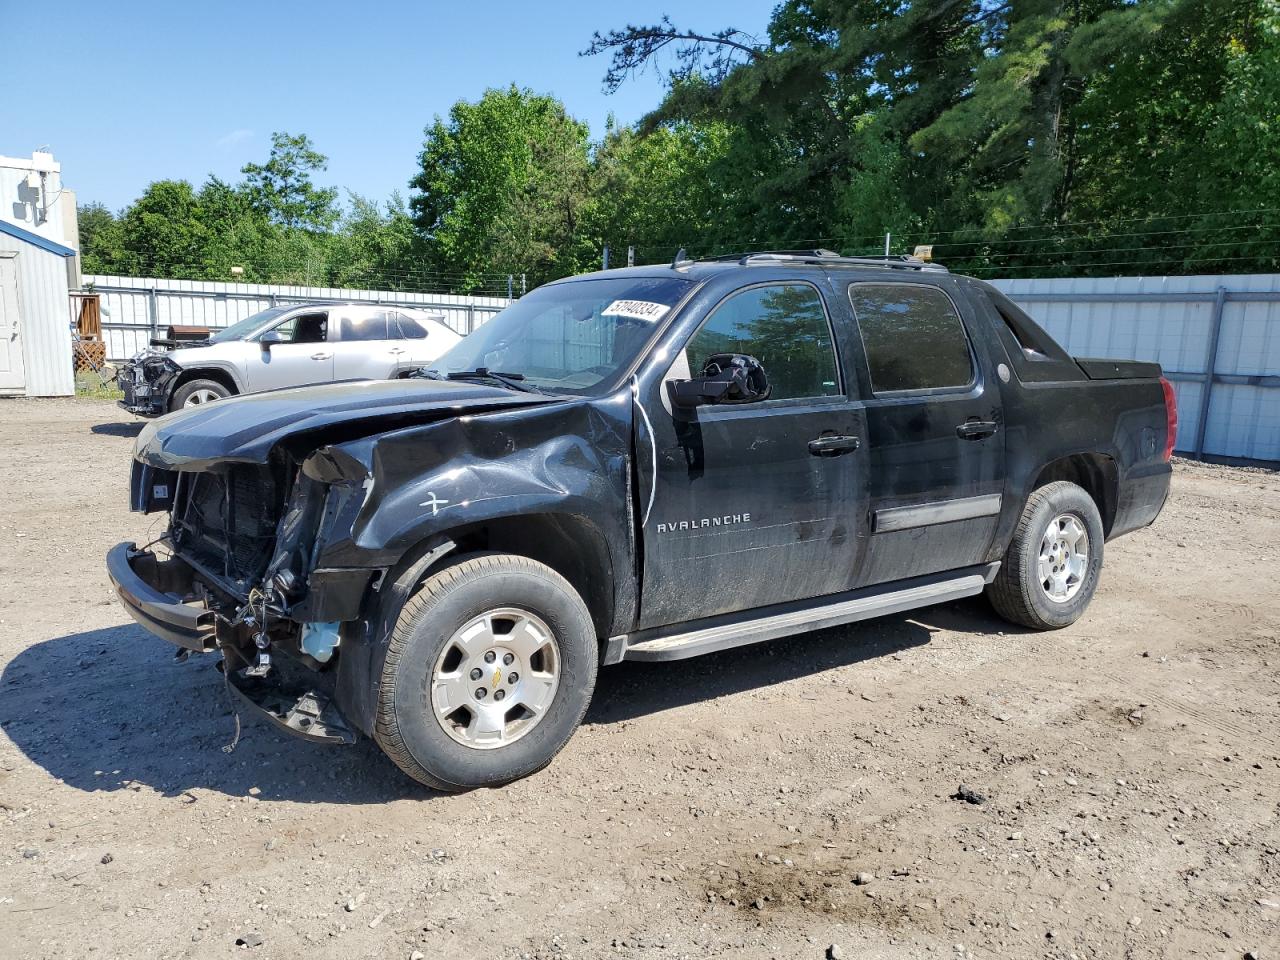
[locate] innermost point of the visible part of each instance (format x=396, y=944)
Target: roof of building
x=44, y=243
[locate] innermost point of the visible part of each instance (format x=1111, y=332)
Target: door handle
x=321, y=356
x=833, y=446
x=976, y=429
x=396, y=351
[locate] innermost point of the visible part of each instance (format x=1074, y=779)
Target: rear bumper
x=152, y=592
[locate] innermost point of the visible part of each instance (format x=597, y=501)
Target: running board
x=738, y=630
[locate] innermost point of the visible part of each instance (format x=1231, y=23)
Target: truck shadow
x=118, y=429
x=109, y=710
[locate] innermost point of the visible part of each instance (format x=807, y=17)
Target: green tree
x=101, y=239
x=502, y=187
x=376, y=247
x=282, y=188
x=162, y=233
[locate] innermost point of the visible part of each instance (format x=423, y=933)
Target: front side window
x=784, y=326
x=304, y=328
x=913, y=337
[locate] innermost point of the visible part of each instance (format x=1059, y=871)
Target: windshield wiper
x=513, y=381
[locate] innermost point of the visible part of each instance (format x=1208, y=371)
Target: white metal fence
x=135, y=309
x=1217, y=337
x=1226, y=326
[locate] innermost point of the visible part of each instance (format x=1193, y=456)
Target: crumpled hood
x=246, y=428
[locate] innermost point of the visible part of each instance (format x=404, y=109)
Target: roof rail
x=828, y=257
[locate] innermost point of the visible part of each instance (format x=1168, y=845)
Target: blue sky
x=125, y=93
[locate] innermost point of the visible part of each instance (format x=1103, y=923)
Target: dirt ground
x=793, y=799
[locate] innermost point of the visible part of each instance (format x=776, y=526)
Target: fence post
x=1211, y=367
x=471, y=318
x=153, y=308
x=606, y=257
x=510, y=285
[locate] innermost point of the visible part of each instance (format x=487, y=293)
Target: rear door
x=935, y=438
x=759, y=503
x=363, y=350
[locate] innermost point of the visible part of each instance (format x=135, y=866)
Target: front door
x=934, y=430
x=303, y=356
x=758, y=503
x=12, y=373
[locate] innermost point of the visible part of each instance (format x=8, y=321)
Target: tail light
x=1171, y=417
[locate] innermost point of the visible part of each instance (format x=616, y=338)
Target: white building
x=39, y=263
x=32, y=197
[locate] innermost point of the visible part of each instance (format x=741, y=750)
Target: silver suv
x=287, y=346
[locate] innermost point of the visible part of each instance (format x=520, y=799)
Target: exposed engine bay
x=242, y=540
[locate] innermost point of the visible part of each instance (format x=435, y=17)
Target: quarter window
x=404, y=327
x=784, y=326
x=913, y=337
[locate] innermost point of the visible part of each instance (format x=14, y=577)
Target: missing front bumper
x=156, y=593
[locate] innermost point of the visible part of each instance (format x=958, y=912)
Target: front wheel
x=193, y=393
x=1051, y=568
x=488, y=673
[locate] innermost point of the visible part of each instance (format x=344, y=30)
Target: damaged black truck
x=650, y=464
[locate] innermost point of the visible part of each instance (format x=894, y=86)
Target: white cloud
x=233, y=138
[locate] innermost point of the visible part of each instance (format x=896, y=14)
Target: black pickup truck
x=648, y=464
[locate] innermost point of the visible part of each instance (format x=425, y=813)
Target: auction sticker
x=637, y=310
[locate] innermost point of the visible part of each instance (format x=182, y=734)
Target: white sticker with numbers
x=637, y=310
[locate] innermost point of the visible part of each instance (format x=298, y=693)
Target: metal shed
x=35, y=325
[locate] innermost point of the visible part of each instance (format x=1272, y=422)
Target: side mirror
x=270, y=337
x=726, y=378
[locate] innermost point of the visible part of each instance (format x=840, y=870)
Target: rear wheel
x=1051, y=568
x=193, y=393
x=488, y=672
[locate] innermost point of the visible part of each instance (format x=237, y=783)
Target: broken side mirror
x=725, y=378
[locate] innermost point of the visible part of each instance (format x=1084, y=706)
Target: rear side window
x=913, y=337
x=784, y=326
x=365, y=326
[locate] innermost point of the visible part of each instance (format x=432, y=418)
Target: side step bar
x=768, y=623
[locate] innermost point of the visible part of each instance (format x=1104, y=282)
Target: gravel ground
x=795, y=799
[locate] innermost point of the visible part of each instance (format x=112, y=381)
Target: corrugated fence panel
x=1109, y=317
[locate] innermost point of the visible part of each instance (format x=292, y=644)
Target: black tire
x=195, y=387
x=406, y=726
x=1017, y=592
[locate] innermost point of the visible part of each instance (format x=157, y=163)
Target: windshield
x=570, y=337
x=238, y=331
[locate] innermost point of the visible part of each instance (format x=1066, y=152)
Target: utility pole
x=606, y=257
x=886, y=244
x=631, y=256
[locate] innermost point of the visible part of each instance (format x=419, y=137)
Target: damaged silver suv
x=285, y=346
